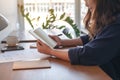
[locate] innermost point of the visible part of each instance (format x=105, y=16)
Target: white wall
x=9, y=9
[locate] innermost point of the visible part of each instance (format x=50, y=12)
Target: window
x=83, y=13
x=40, y=8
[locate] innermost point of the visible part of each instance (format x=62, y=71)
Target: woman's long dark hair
x=105, y=13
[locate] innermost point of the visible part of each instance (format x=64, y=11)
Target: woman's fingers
x=42, y=47
x=40, y=42
x=57, y=39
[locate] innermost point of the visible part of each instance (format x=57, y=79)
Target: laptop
x=6, y=71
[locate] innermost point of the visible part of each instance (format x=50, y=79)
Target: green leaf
x=62, y=16
x=68, y=35
x=38, y=18
x=61, y=27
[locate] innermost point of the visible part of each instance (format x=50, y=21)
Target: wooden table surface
x=61, y=70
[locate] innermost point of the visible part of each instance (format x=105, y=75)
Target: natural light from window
x=40, y=8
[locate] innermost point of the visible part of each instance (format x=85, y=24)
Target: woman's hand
x=42, y=47
x=67, y=42
x=57, y=39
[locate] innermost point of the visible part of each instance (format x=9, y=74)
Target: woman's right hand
x=57, y=39
x=66, y=42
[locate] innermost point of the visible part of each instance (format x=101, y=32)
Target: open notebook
x=41, y=35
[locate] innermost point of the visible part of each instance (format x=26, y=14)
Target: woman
x=101, y=46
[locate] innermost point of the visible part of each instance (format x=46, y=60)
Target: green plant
x=51, y=19
x=27, y=16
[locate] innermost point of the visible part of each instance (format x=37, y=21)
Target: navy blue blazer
x=103, y=50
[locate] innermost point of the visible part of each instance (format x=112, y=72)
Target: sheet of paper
x=23, y=55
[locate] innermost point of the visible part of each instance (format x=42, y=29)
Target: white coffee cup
x=12, y=40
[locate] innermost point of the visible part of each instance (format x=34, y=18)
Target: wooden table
x=61, y=70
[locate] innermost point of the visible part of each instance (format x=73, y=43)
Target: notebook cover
x=22, y=65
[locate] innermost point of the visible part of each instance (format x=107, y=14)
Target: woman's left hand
x=43, y=48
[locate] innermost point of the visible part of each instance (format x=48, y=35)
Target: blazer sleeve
x=85, y=39
x=100, y=50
